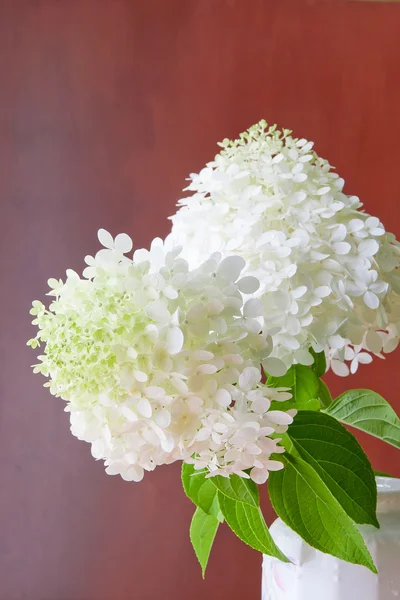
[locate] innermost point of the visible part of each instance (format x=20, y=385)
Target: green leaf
x=311, y=404
x=237, y=488
x=303, y=501
x=383, y=474
x=203, y=529
x=304, y=385
x=319, y=364
x=200, y=490
x=324, y=394
x=337, y=457
x=368, y=411
x=247, y=522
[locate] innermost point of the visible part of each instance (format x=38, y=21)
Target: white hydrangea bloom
x=159, y=363
x=329, y=272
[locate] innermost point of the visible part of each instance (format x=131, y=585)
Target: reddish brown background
x=105, y=107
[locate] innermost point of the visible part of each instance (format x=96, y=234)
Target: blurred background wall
x=105, y=107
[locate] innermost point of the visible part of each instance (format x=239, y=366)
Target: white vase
x=317, y=576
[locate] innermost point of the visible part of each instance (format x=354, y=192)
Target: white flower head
x=161, y=363
x=329, y=273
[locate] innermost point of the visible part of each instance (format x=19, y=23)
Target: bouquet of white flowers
x=210, y=347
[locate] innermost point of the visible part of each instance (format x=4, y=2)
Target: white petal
x=203, y=355
x=223, y=397
x=207, y=369
x=133, y=473
x=274, y=366
x=336, y=342
x=105, y=239
x=162, y=418
x=141, y=255
x=248, y=285
x=154, y=392
x=98, y=449
x=340, y=368
x=253, y=308
x=123, y=243
x=140, y=376
x=299, y=291
x=170, y=292
x=174, y=340
x=371, y=300
x=356, y=225
x=364, y=358
x=274, y=465
x=390, y=345
x=231, y=267
x=304, y=357
x=354, y=366
x=259, y=476
x=218, y=324
x=158, y=312
x=339, y=233
x=249, y=378
x=129, y=414
x=322, y=291
x=261, y=405
x=115, y=468
x=179, y=385
x=324, y=190
x=373, y=341
x=368, y=247
x=144, y=408
x=341, y=247
x=279, y=417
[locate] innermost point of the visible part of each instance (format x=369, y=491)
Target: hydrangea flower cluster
x=160, y=363
x=329, y=272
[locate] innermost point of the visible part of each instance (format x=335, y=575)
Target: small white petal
x=154, y=392
x=231, y=267
x=105, y=239
x=371, y=300
x=299, y=292
x=322, y=292
x=114, y=468
x=249, y=378
x=324, y=190
x=261, y=405
x=259, y=476
x=141, y=255
x=223, y=397
x=123, y=243
x=162, y=418
x=144, y=408
x=373, y=341
x=174, y=341
x=274, y=366
x=253, y=308
x=248, y=285
x=203, y=355
x=304, y=357
x=274, y=465
x=207, y=369
x=341, y=247
x=133, y=473
x=140, y=376
x=368, y=247
x=170, y=292
x=340, y=368
x=279, y=417
x=158, y=312
x=390, y=345
x=364, y=358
